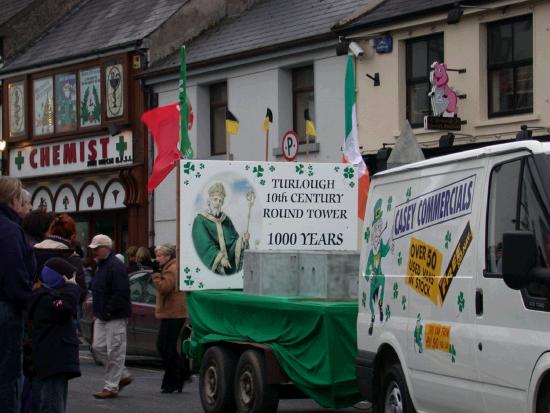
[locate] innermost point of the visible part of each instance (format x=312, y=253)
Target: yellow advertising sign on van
x=424, y=269
x=438, y=337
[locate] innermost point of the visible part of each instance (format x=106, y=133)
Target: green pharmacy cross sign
x=121, y=147
x=19, y=160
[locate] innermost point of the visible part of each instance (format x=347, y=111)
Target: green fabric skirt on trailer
x=315, y=341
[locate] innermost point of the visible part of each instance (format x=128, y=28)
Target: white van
x=454, y=284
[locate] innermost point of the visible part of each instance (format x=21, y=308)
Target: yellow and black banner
x=231, y=123
x=455, y=261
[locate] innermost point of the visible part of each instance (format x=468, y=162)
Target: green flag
x=185, y=144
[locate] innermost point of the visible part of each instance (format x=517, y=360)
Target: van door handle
x=479, y=301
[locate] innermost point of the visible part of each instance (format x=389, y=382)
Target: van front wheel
x=395, y=395
x=543, y=403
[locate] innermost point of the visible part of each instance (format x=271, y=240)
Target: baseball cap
x=101, y=240
x=53, y=271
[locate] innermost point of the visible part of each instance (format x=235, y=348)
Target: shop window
x=303, y=98
x=421, y=52
x=510, y=66
x=218, y=106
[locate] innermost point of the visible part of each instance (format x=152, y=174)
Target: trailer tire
x=216, y=386
x=395, y=394
x=252, y=392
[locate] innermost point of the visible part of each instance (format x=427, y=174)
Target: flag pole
x=266, y=144
x=307, y=147
x=227, y=151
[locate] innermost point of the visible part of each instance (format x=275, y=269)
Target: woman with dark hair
x=36, y=224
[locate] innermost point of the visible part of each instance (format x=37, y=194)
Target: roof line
x=239, y=55
x=360, y=12
x=36, y=68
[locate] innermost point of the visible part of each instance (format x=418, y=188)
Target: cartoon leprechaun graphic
x=418, y=333
x=373, y=271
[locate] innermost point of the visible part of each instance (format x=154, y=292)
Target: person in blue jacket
x=16, y=274
x=55, y=344
x=112, y=308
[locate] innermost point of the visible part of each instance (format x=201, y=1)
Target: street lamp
x=2, y=145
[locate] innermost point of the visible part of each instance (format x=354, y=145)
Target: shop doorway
x=111, y=223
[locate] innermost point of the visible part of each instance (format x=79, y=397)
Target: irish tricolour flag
x=352, y=154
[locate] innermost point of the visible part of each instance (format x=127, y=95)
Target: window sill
x=507, y=120
x=313, y=148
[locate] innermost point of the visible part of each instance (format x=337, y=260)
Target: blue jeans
x=53, y=394
x=11, y=341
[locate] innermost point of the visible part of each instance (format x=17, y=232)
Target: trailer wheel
x=395, y=395
x=216, y=380
x=252, y=392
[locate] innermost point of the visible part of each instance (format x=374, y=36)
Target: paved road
x=143, y=395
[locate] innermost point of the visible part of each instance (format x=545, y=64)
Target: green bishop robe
x=216, y=238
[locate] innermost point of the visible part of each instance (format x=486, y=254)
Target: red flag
x=163, y=123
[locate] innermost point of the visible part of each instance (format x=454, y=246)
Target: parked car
x=143, y=327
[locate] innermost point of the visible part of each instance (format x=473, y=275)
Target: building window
x=421, y=52
x=218, y=106
x=510, y=66
x=303, y=98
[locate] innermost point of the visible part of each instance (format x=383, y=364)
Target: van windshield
x=542, y=162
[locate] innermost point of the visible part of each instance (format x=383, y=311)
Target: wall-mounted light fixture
x=447, y=140
x=2, y=145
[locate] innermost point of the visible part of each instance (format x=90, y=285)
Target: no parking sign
x=290, y=145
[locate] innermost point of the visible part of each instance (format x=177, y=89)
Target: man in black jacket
x=112, y=307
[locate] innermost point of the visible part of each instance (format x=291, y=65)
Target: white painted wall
x=252, y=88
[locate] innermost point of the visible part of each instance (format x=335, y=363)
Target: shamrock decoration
x=336, y=168
x=447, y=239
x=262, y=182
x=187, y=270
x=197, y=270
x=364, y=299
x=272, y=168
x=310, y=170
x=201, y=285
x=390, y=200
x=188, y=167
x=388, y=312
x=351, y=184
x=452, y=352
x=461, y=301
x=198, y=174
x=189, y=280
x=399, y=258
x=404, y=302
x=259, y=171
x=300, y=169
x=408, y=193
x=247, y=167
x=186, y=182
x=201, y=166
x=348, y=172
x=367, y=234
x=395, y=290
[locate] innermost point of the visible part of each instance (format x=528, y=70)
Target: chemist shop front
x=87, y=178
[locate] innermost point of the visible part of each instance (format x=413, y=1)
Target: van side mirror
x=519, y=257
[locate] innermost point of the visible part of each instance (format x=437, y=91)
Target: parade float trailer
x=269, y=254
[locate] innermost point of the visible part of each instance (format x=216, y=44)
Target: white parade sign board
x=290, y=145
x=227, y=207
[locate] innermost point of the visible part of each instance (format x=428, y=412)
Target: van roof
x=491, y=150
